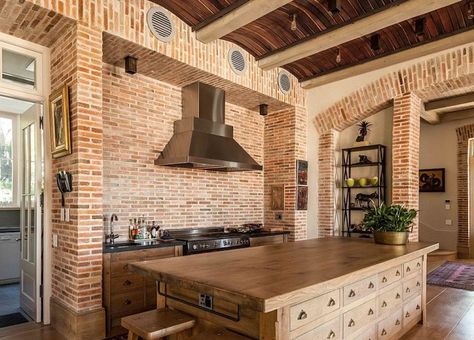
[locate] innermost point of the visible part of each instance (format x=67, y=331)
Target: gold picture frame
x=60, y=133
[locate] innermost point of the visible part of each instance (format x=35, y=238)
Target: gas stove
x=203, y=240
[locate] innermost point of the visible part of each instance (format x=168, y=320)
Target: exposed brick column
x=405, y=153
x=465, y=247
x=76, y=60
x=285, y=142
x=326, y=183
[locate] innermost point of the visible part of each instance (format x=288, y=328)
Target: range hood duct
x=201, y=138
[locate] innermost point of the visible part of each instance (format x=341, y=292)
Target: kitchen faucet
x=111, y=236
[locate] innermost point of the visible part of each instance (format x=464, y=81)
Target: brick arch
x=465, y=246
x=407, y=88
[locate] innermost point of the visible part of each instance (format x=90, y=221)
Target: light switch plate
x=66, y=215
x=449, y=222
x=61, y=218
x=55, y=240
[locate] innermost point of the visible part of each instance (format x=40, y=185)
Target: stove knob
x=195, y=246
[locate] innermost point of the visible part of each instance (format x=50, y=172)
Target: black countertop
x=120, y=246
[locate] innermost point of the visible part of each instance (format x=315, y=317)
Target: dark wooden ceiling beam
x=239, y=16
x=450, y=102
x=365, y=26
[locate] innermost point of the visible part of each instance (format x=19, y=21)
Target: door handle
x=18, y=239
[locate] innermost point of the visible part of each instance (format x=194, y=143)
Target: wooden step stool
x=156, y=324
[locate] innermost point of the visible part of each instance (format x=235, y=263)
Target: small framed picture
x=432, y=180
x=278, y=197
x=60, y=134
x=302, y=198
x=301, y=172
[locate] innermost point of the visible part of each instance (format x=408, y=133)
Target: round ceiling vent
x=160, y=23
x=284, y=82
x=237, y=61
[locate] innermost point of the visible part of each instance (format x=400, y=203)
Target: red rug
x=454, y=275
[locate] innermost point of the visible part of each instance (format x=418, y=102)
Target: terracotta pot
x=391, y=237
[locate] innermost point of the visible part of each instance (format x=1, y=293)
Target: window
x=8, y=185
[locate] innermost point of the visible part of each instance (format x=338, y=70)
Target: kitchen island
x=333, y=288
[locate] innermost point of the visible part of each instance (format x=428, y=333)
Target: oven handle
x=223, y=315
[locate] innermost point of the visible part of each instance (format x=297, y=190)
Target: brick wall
x=465, y=248
x=285, y=136
x=405, y=153
x=326, y=183
x=138, y=121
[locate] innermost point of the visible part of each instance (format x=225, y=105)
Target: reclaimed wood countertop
x=270, y=277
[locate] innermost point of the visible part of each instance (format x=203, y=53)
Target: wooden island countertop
x=272, y=277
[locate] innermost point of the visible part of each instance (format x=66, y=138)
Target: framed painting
x=60, y=133
x=301, y=172
x=278, y=197
x=302, y=198
x=432, y=180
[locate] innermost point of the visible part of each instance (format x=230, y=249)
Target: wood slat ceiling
x=272, y=32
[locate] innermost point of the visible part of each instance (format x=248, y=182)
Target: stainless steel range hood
x=201, y=138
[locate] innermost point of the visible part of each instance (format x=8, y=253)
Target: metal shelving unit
x=349, y=193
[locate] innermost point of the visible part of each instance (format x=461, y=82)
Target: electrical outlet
x=61, y=218
x=205, y=301
x=447, y=205
x=448, y=222
x=55, y=240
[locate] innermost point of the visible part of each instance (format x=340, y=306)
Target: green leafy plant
x=389, y=218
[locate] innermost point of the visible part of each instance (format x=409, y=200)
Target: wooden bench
x=156, y=324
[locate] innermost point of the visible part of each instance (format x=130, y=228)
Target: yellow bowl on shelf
x=363, y=182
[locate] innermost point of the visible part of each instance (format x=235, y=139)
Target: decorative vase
x=350, y=182
x=393, y=238
x=363, y=181
x=374, y=181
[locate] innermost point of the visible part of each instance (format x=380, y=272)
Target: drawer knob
x=407, y=290
x=397, y=322
x=331, y=335
x=397, y=296
x=127, y=302
x=302, y=315
x=384, y=304
x=418, y=284
x=384, y=332
x=371, y=312
x=331, y=302
x=371, y=285
x=127, y=283
x=397, y=273
x=352, y=293
x=351, y=323
x=384, y=279
x=418, y=307
x=407, y=315
x=408, y=269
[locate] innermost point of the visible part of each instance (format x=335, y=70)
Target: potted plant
x=389, y=223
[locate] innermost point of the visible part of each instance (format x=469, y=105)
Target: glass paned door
x=31, y=218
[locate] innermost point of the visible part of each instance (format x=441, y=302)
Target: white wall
x=438, y=149
x=317, y=100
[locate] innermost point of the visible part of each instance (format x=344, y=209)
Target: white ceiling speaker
x=284, y=82
x=236, y=60
x=160, y=23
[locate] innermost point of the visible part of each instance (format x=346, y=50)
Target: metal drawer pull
x=407, y=290
x=418, y=307
x=418, y=264
x=371, y=285
x=352, y=293
x=384, y=304
x=302, y=315
x=407, y=315
x=351, y=323
x=127, y=302
x=418, y=284
x=397, y=296
x=384, y=332
x=397, y=273
x=408, y=269
x=331, y=302
x=127, y=283
x=371, y=312
x=331, y=335
x=397, y=322
x=384, y=279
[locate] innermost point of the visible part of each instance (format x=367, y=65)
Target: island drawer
x=368, y=334
x=127, y=303
x=412, y=266
x=329, y=330
x=359, y=289
x=412, y=286
x=390, y=299
x=390, y=276
x=390, y=326
x=126, y=283
x=359, y=317
x=310, y=310
x=411, y=310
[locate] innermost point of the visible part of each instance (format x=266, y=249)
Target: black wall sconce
x=263, y=109
x=131, y=64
